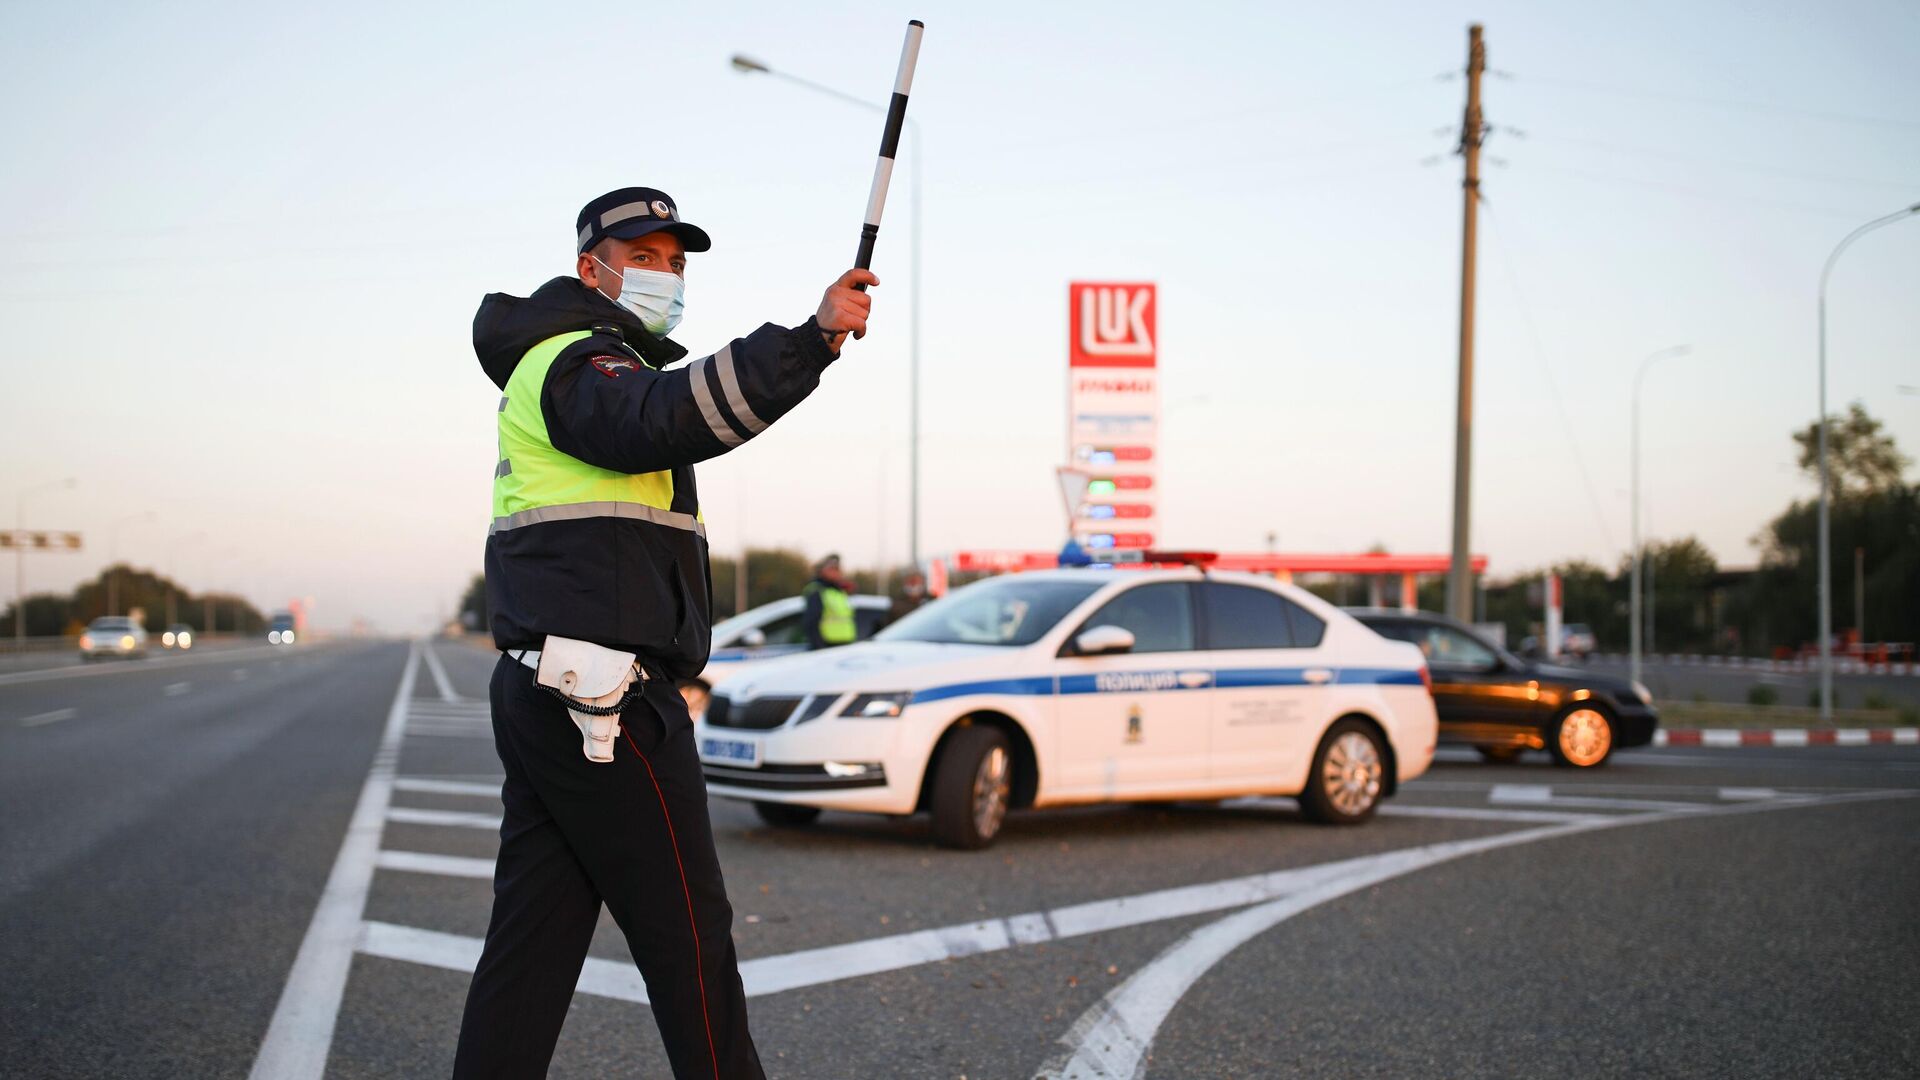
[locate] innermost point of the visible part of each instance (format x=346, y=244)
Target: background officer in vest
x=828, y=619
x=597, y=536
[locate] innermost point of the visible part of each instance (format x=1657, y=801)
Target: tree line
x=50, y=614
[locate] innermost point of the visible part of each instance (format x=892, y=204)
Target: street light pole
x=1633, y=601
x=1826, y=560
x=20, y=555
x=749, y=66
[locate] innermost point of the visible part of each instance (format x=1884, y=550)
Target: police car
x=739, y=643
x=1080, y=686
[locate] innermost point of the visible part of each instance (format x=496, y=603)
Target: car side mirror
x=754, y=638
x=1102, y=640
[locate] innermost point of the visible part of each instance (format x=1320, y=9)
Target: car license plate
x=731, y=752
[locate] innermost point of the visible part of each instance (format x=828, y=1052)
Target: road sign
x=1113, y=412
x=26, y=540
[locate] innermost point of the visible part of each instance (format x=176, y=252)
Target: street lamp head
x=748, y=65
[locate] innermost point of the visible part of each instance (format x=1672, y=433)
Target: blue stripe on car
x=1134, y=682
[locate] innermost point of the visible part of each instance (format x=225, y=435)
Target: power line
x=1546, y=371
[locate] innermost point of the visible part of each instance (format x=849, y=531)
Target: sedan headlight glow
x=86, y=641
x=1640, y=691
x=126, y=641
x=185, y=640
x=877, y=706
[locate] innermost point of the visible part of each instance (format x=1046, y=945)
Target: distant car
x=1577, y=639
x=1060, y=687
x=178, y=636
x=1503, y=705
x=113, y=636
x=740, y=643
x=280, y=629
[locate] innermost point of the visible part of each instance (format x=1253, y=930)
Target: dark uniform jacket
x=633, y=585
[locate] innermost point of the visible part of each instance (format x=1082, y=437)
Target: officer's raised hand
x=844, y=309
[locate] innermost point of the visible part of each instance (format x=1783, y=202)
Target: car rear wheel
x=1348, y=777
x=971, y=788
x=1582, y=737
x=786, y=815
x=1500, y=755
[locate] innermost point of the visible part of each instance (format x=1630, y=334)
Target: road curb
x=1737, y=737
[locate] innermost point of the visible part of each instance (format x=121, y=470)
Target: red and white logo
x=613, y=366
x=1112, y=325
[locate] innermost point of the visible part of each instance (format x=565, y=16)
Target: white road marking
x=1477, y=813
x=407, y=815
x=240, y=675
x=440, y=680
x=54, y=717
x=1542, y=795
x=1747, y=794
x=446, y=787
x=1401, y=809
x=450, y=732
x=301, y=1032
x=1110, y=1040
x=176, y=689
x=420, y=862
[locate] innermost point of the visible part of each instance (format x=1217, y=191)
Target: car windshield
x=109, y=622
x=999, y=611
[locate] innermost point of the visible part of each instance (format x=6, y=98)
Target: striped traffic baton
x=889, y=144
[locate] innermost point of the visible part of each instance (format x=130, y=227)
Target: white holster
x=591, y=675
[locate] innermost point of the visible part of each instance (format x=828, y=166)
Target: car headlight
x=185, y=640
x=1640, y=691
x=286, y=637
x=877, y=706
x=86, y=641
x=126, y=641
x=273, y=637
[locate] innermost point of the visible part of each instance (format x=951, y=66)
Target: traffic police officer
x=598, y=541
x=827, y=615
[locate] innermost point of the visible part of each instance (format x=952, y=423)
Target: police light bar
x=1201, y=559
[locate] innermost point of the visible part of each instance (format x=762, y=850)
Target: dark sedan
x=1500, y=704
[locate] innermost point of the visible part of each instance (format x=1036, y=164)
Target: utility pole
x=1860, y=594
x=1472, y=134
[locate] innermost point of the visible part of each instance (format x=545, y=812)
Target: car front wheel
x=1582, y=738
x=1348, y=776
x=971, y=788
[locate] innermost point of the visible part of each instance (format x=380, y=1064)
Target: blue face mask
x=657, y=299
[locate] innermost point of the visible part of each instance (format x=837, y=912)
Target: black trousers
x=632, y=833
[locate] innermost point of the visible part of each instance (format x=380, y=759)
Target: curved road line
x=1110, y=1040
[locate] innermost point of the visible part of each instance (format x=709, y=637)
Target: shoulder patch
x=613, y=366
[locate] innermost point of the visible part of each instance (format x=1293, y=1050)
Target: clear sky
x=241, y=246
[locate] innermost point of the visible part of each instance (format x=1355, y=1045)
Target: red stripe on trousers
x=699, y=968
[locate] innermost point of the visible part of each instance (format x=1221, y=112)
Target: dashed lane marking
x=54, y=717
x=300, y=1036
x=176, y=689
x=440, y=680
x=420, y=862
x=1110, y=1040
x=407, y=815
x=446, y=787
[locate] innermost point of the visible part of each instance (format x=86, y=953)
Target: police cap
x=634, y=212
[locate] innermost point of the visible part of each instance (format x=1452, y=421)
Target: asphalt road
x=168, y=832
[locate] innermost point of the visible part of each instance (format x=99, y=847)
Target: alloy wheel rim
x=1585, y=737
x=991, y=785
x=1351, y=774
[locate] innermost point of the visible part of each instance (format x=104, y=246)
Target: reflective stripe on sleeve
x=505, y=468
x=710, y=409
x=583, y=511
x=730, y=384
